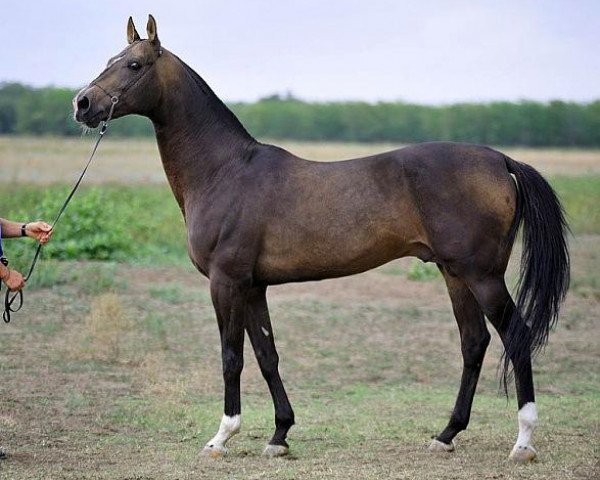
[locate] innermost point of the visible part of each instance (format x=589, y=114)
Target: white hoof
x=522, y=454
x=272, y=451
x=437, y=446
x=214, y=451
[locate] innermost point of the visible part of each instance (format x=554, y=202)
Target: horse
x=257, y=215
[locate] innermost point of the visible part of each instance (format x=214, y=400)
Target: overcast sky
x=424, y=51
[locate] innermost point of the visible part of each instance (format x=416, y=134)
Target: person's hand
x=14, y=280
x=40, y=231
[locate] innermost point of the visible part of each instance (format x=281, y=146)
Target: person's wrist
x=4, y=274
x=24, y=229
x=4, y=270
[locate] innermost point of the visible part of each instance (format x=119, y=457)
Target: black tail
x=545, y=270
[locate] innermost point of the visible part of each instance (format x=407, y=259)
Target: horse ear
x=151, y=30
x=132, y=34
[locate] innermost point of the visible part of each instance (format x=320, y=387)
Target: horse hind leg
x=474, y=338
x=498, y=306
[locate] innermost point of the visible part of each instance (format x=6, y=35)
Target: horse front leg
x=229, y=303
x=258, y=326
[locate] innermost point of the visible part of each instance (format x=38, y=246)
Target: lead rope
x=10, y=306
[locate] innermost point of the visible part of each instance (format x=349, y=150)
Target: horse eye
x=134, y=66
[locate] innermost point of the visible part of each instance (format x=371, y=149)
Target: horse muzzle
x=89, y=109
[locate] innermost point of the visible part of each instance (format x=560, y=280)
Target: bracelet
x=23, y=232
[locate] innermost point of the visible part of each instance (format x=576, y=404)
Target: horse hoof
x=272, y=451
x=213, y=451
x=522, y=454
x=437, y=446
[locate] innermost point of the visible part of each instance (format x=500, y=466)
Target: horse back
x=334, y=219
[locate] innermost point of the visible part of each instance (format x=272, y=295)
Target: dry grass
x=56, y=160
x=158, y=376
x=371, y=363
x=103, y=334
x=49, y=160
x=100, y=386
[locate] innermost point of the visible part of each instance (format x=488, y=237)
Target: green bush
x=119, y=223
x=88, y=230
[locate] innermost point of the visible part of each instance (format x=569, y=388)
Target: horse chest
x=213, y=242
x=200, y=248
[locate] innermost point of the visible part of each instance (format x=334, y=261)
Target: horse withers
x=257, y=215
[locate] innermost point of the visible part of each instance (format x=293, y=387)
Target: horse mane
x=221, y=110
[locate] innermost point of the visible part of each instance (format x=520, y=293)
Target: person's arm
x=10, y=229
x=39, y=231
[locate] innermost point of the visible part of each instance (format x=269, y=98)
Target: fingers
x=39, y=227
x=44, y=238
x=40, y=231
x=44, y=227
x=17, y=287
x=14, y=281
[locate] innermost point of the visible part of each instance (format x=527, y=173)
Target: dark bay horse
x=257, y=215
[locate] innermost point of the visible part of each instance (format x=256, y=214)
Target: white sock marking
x=228, y=428
x=527, y=422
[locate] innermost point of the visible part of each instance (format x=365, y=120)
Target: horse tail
x=545, y=266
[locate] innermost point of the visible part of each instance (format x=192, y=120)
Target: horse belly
x=315, y=257
x=345, y=220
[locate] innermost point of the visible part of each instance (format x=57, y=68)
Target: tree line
x=47, y=111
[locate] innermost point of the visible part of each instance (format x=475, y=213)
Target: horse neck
x=198, y=137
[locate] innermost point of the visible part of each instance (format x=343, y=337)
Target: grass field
x=112, y=370
x=50, y=160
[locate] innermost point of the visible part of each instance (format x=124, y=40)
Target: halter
x=133, y=82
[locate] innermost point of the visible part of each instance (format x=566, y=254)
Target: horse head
x=128, y=84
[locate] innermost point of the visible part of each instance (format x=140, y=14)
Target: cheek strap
x=132, y=83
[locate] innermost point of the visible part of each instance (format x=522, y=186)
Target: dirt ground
x=117, y=376
x=115, y=373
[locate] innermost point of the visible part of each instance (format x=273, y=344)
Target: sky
x=425, y=51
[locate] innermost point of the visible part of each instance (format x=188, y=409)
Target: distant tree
x=10, y=96
x=47, y=111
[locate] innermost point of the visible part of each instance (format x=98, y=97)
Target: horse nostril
x=83, y=104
